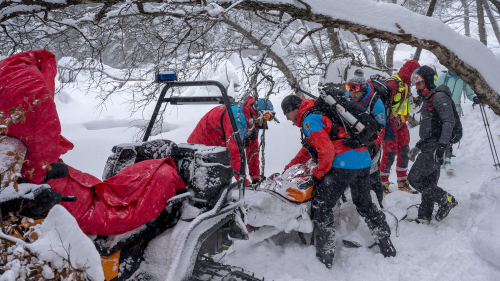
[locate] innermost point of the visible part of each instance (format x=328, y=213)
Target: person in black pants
x=436, y=126
x=337, y=168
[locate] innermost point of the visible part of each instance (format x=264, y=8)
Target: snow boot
x=386, y=247
x=405, y=186
x=446, y=203
x=447, y=166
x=325, y=258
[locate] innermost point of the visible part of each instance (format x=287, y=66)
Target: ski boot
x=386, y=189
x=446, y=203
x=326, y=258
x=405, y=186
x=386, y=247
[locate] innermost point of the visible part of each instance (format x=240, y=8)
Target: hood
x=368, y=95
x=247, y=108
x=44, y=60
x=407, y=69
x=445, y=89
x=304, y=107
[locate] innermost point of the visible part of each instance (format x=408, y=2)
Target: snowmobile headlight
x=167, y=76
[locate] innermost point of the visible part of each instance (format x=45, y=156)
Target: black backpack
x=363, y=116
x=457, y=132
x=382, y=92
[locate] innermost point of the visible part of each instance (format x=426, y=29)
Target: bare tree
x=492, y=19
x=465, y=6
x=192, y=39
x=480, y=22
x=429, y=13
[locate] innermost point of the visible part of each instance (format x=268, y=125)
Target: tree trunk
x=389, y=58
x=333, y=37
x=496, y=3
x=376, y=53
x=363, y=50
x=492, y=19
x=465, y=5
x=315, y=48
x=389, y=55
x=480, y=22
x=429, y=13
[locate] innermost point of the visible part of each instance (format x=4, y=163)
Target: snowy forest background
x=108, y=53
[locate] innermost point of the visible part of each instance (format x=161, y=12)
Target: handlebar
x=68, y=199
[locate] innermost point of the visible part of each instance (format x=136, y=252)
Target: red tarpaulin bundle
x=121, y=203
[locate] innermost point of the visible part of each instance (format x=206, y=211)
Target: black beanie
x=428, y=75
x=290, y=103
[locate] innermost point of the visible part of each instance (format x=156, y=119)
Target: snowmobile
x=195, y=225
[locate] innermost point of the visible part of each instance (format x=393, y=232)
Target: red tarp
x=121, y=203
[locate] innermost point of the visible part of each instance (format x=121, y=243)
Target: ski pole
x=493, y=149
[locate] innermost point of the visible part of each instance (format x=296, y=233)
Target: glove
x=412, y=154
x=351, y=143
x=477, y=100
x=417, y=101
x=439, y=154
x=255, y=181
x=315, y=180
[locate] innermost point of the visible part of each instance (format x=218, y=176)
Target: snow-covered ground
x=465, y=246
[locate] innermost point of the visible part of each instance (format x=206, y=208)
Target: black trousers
x=328, y=192
x=424, y=177
x=376, y=184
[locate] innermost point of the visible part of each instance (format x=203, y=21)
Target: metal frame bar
x=224, y=99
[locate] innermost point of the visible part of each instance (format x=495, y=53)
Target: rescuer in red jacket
x=397, y=137
x=214, y=129
x=117, y=205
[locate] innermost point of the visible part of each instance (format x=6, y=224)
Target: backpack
x=357, y=138
x=382, y=92
x=457, y=132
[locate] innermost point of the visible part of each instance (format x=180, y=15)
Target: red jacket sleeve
x=301, y=157
x=252, y=152
x=320, y=141
x=380, y=137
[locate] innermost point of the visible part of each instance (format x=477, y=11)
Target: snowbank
x=61, y=241
x=485, y=203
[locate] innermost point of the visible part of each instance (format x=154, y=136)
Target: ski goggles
x=415, y=78
x=355, y=87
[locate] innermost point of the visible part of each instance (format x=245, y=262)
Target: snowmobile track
x=208, y=269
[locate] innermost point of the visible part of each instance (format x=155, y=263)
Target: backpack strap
x=222, y=124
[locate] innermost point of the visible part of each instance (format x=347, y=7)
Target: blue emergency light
x=167, y=76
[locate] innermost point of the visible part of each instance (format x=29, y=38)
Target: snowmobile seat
x=127, y=154
x=205, y=169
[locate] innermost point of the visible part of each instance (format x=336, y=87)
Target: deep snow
x=465, y=246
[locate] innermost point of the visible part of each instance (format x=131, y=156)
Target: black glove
x=439, y=154
x=372, y=148
x=351, y=143
x=255, y=181
x=477, y=100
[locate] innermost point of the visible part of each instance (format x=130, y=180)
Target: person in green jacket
x=457, y=87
